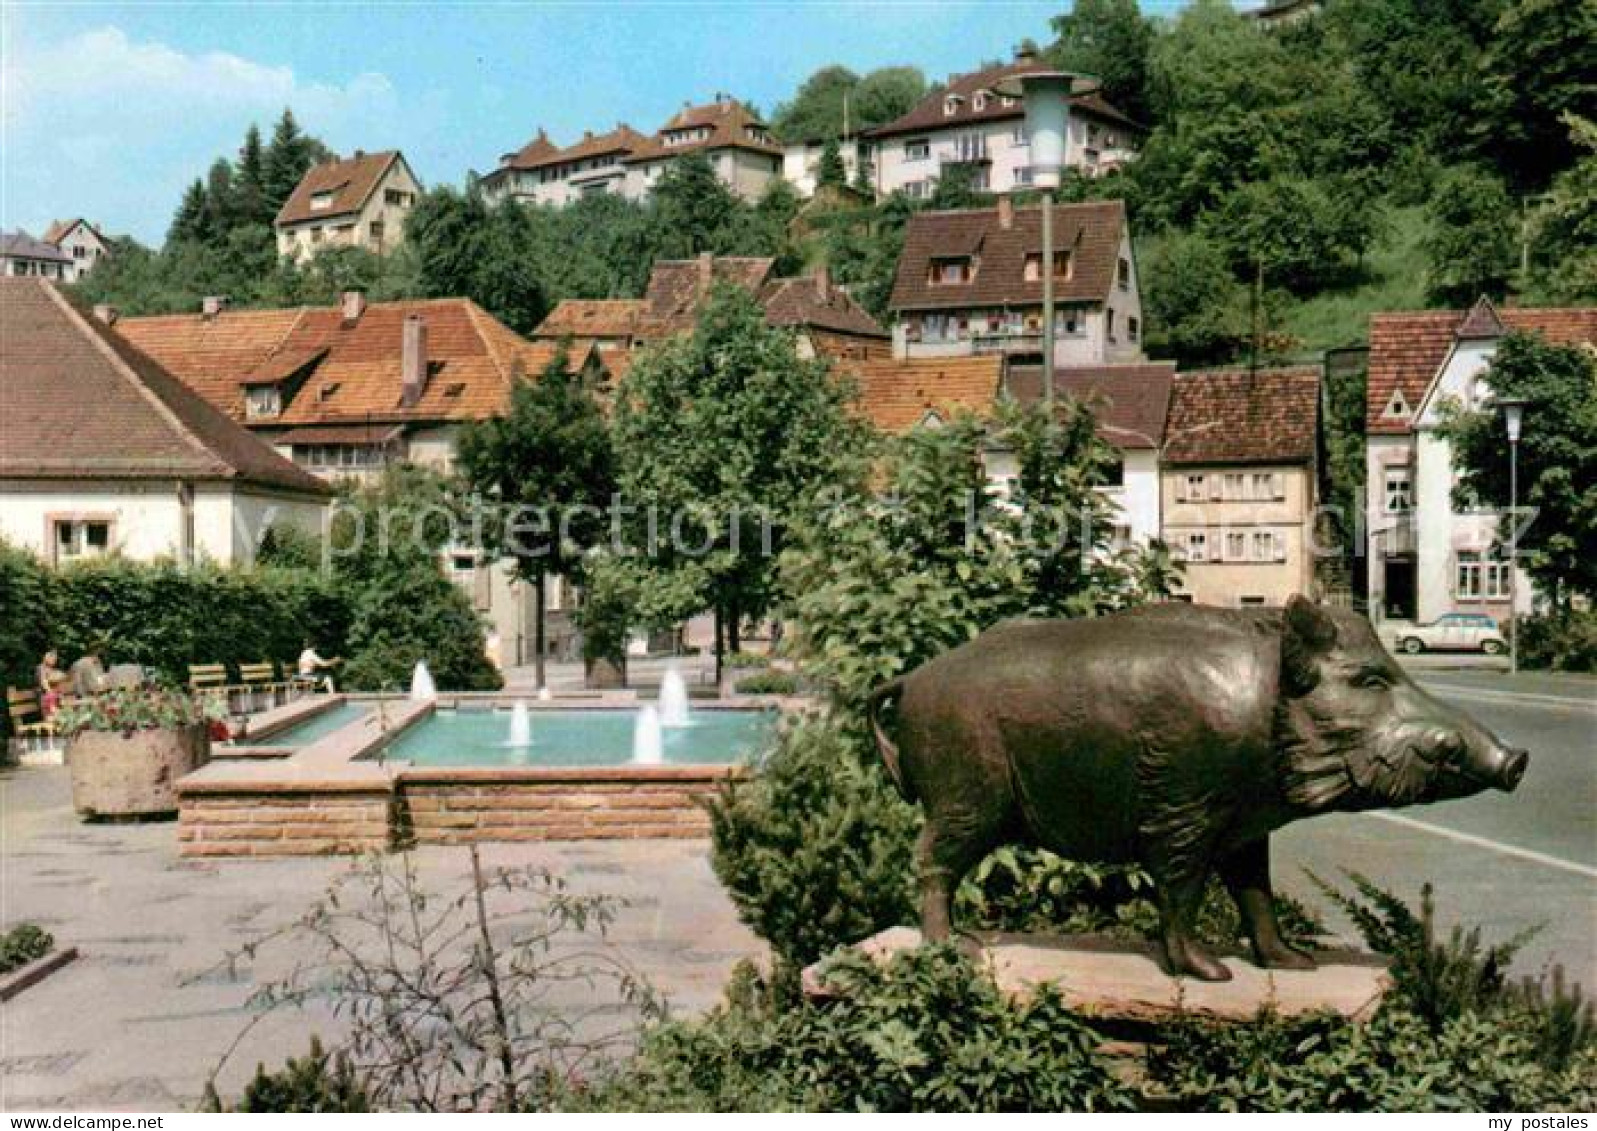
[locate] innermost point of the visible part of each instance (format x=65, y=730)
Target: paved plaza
x=143, y=1015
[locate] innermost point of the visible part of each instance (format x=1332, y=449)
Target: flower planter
x=134, y=774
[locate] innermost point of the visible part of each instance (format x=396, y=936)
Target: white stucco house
x=1428, y=555
x=102, y=450
x=81, y=242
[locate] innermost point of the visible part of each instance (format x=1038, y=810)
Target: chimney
x=823, y=285
x=413, y=361
x=1006, y=212
x=106, y=313
x=359, y=153
x=211, y=306
x=354, y=305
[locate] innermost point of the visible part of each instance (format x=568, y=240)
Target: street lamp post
x=1046, y=94
x=1513, y=416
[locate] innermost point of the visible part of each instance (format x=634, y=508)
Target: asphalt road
x=1505, y=862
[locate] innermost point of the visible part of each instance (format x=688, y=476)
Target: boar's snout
x=1512, y=770
x=1483, y=760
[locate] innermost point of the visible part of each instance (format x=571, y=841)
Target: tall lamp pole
x=1046, y=94
x=1513, y=416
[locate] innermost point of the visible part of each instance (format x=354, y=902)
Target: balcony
x=1007, y=344
x=1395, y=535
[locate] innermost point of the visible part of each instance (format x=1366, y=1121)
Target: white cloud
x=100, y=125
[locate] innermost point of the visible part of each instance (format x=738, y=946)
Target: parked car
x=1456, y=632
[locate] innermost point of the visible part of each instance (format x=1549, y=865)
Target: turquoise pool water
x=577, y=738
x=319, y=725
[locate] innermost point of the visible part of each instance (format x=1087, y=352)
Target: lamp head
x=1513, y=415
x=1046, y=94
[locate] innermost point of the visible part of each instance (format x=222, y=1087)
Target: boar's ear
x=1306, y=633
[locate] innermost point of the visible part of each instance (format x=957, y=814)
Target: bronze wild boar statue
x=1174, y=736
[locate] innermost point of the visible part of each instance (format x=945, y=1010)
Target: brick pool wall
x=489, y=805
x=288, y=823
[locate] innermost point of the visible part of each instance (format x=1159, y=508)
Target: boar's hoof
x=1185, y=959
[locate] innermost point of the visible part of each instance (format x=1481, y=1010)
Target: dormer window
x=951, y=105
x=1396, y=407
x=322, y=200
x=262, y=401
x=1063, y=266
x=979, y=102
x=951, y=270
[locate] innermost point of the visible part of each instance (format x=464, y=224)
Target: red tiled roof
x=1407, y=350
x=56, y=362
x=592, y=318
x=678, y=287
x=1091, y=232
x=1226, y=416
x=930, y=113
x=812, y=302
x=60, y=229
x=535, y=153
x=896, y=394
x=471, y=357
x=732, y=126
x=351, y=182
x=1131, y=402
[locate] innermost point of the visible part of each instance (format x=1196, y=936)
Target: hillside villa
x=360, y=201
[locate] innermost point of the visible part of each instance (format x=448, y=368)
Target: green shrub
x=768, y=683
x=924, y=1032
x=1474, y=1062
x=1030, y=889
x=27, y=598
x=742, y=659
x=815, y=848
x=315, y=1082
x=23, y=944
x=1560, y=642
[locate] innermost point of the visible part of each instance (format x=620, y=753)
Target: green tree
x=1196, y=310
x=692, y=209
x=723, y=434
x=548, y=465
x=1110, y=39
x=831, y=172
x=466, y=249
x=956, y=188
x=386, y=545
x=1473, y=243
x=191, y=221
x=286, y=159
x=1538, y=67
x=250, y=182
x=1563, y=230
x=816, y=111
x=1557, y=460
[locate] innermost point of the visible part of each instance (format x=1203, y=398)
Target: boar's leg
x=950, y=845
x=1180, y=873
x=1246, y=873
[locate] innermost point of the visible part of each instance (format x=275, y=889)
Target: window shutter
x=482, y=585
x=1214, y=487
x=1280, y=546
x=1181, y=488
x=1278, y=483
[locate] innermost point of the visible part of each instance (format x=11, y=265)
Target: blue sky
x=110, y=109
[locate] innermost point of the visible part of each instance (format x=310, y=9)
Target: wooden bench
x=27, y=716
x=264, y=688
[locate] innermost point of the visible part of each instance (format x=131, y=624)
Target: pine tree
x=191, y=219
x=286, y=159
x=831, y=171
x=221, y=206
x=250, y=183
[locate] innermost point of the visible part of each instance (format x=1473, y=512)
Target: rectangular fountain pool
x=319, y=725
x=578, y=738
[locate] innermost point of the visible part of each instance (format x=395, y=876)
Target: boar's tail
x=885, y=745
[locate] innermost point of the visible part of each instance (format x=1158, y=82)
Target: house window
x=77, y=538
x=1399, y=491
x=1264, y=546
x=1132, y=329
x=918, y=190
x=919, y=149
x=1017, y=136
x=262, y=400
x=951, y=270
x=375, y=231
x=1250, y=602
x=1480, y=577
x=971, y=147
x=1191, y=488
x=80, y=253
x=322, y=200
x=978, y=102
x=1123, y=275
x=1033, y=268
x=398, y=196
x=1023, y=175
x=951, y=105
x=1197, y=546
x=1235, y=546
x=1114, y=475
x=1234, y=486
x=316, y=235
x=1109, y=324
x=941, y=328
